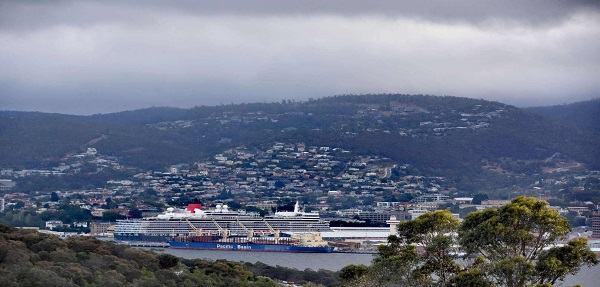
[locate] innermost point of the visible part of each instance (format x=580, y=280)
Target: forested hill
x=447, y=136
x=584, y=115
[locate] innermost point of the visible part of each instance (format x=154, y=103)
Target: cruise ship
x=219, y=221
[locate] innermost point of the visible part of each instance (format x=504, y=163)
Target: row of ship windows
x=223, y=226
x=213, y=228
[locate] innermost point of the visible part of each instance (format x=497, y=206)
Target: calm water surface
x=301, y=261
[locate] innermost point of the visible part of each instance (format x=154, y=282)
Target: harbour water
x=301, y=261
x=334, y=261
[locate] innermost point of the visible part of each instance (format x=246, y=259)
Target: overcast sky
x=84, y=57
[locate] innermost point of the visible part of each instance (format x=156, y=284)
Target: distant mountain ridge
x=472, y=139
x=584, y=115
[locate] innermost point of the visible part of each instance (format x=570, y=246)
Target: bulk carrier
x=302, y=243
x=220, y=221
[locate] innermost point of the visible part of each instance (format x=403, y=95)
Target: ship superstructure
x=219, y=221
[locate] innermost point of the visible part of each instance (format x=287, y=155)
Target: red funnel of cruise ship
x=193, y=205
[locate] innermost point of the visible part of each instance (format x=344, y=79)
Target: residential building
x=102, y=228
x=380, y=215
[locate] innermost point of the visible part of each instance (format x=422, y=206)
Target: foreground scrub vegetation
x=510, y=246
x=30, y=258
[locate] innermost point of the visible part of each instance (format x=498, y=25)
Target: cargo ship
x=299, y=243
x=184, y=222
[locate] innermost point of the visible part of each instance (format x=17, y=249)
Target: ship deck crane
x=198, y=231
x=249, y=232
x=224, y=231
x=276, y=233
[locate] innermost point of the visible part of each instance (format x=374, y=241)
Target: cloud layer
x=101, y=56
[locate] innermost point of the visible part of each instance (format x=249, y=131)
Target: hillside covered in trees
x=583, y=115
x=472, y=142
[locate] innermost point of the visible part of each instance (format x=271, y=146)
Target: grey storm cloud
x=34, y=13
x=101, y=56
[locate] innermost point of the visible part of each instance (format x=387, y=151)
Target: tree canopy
x=515, y=245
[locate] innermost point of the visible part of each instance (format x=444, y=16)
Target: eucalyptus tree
x=422, y=253
x=434, y=232
x=514, y=244
x=396, y=264
x=556, y=263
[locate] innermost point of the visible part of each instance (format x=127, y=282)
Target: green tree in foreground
x=399, y=263
x=510, y=246
x=395, y=265
x=555, y=263
x=435, y=233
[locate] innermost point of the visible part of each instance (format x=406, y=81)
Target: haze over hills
x=473, y=142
